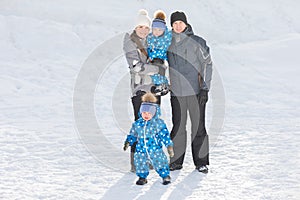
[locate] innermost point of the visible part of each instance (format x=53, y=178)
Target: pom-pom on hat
x=149, y=97
x=159, y=20
x=178, y=16
x=159, y=14
x=143, y=19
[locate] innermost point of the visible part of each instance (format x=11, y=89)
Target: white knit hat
x=143, y=19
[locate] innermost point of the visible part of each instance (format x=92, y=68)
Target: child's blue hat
x=158, y=23
x=159, y=20
x=148, y=107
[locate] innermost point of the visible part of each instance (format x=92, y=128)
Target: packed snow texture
x=45, y=48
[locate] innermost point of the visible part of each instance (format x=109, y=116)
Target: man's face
x=178, y=26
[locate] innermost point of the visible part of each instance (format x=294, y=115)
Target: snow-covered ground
x=65, y=108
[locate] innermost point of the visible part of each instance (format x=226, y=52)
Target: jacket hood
x=189, y=30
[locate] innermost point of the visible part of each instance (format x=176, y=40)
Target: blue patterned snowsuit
x=150, y=136
x=158, y=46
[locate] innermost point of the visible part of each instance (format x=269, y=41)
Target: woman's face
x=178, y=26
x=142, y=31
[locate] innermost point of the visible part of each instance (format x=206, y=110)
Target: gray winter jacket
x=189, y=63
x=140, y=71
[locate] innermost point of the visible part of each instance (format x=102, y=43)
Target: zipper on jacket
x=185, y=56
x=175, y=55
x=145, y=128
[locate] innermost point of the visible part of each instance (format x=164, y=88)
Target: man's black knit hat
x=178, y=16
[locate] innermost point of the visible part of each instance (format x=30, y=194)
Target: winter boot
x=132, y=169
x=202, y=169
x=141, y=181
x=175, y=166
x=166, y=180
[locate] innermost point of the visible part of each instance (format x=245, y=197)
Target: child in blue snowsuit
x=151, y=133
x=158, y=42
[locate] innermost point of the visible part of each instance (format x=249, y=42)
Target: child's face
x=157, y=32
x=146, y=116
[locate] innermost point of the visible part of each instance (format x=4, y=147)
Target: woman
x=135, y=45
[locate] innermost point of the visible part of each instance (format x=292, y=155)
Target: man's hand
x=203, y=97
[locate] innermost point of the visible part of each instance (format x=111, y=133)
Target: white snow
x=56, y=56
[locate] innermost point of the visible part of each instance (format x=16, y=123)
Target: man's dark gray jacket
x=189, y=63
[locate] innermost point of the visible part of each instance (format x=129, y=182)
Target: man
x=190, y=76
